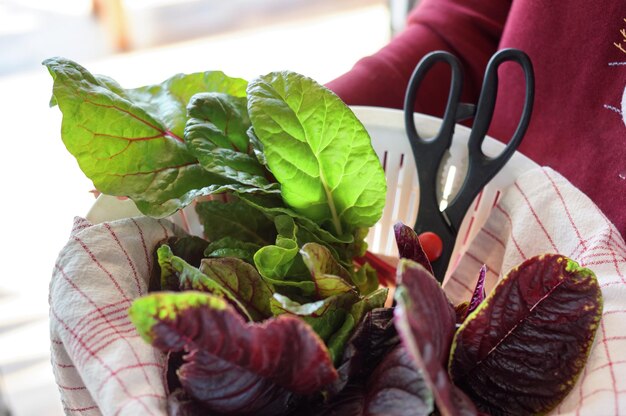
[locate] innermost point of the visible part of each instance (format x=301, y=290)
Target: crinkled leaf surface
x=281, y=263
x=426, y=322
x=216, y=134
x=177, y=274
x=325, y=316
x=243, y=282
x=395, y=388
x=318, y=151
x=235, y=219
x=130, y=142
x=337, y=343
x=231, y=366
x=329, y=277
x=409, y=246
x=274, y=260
x=232, y=247
x=523, y=348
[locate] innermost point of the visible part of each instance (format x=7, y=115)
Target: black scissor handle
x=446, y=129
x=482, y=168
x=429, y=152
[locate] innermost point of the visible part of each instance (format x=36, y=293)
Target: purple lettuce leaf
x=409, y=246
x=426, y=322
x=523, y=348
x=373, y=337
x=234, y=367
x=479, y=291
x=395, y=388
x=180, y=403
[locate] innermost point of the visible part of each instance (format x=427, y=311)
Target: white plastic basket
x=386, y=128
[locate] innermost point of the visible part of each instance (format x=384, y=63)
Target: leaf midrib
x=515, y=327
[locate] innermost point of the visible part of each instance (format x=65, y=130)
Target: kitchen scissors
x=429, y=152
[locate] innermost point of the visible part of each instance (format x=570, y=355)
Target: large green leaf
x=318, y=150
x=523, y=348
x=236, y=220
x=130, y=142
x=216, y=134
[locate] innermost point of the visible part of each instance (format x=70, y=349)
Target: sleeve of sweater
x=470, y=29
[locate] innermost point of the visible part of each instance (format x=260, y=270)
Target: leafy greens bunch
x=265, y=305
x=269, y=315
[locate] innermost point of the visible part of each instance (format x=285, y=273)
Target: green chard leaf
x=366, y=279
x=216, y=134
x=522, y=349
x=273, y=206
x=318, y=151
x=130, y=142
x=232, y=247
x=279, y=263
x=325, y=316
x=236, y=220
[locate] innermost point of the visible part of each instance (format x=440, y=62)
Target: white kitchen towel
x=543, y=213
x=100, y=363
x=103, y=367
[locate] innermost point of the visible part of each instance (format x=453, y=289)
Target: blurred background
x=137, y=42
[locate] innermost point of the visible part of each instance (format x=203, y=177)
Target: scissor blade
x=451, y=172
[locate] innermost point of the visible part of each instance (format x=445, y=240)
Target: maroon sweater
x=578, y=49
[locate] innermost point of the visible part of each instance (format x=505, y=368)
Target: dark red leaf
x=522, y=350
x=371, y=340
x=426, y=322
x=409, y=246
x=395, y=388
x=180, y=403
x=479, y=291
x=231, y=366
x=461, y=312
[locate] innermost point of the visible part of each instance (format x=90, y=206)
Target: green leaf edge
x=147, y=311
